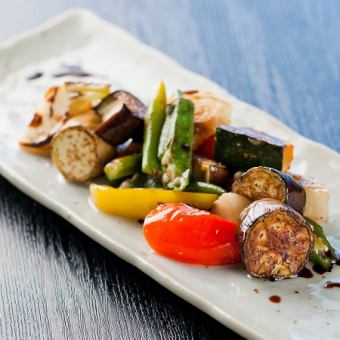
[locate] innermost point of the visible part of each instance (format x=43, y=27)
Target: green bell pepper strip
x=204, y=187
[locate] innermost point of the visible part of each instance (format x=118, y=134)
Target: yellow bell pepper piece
x=138, y=202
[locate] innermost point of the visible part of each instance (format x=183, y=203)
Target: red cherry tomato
x=191, y=235
x=207, y=148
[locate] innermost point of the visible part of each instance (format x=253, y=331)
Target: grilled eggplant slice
x=242, y=149
x=276, y=240
x=209, y=171
x=262, y=182
x=80, y=154
x=123, y=116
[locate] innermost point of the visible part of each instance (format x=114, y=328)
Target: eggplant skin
x=276, y=240
x=132, y=103
x=264, y=182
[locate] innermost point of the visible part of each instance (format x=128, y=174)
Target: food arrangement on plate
x=207, y=192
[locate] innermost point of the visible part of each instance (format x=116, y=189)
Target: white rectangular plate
x=225, y=293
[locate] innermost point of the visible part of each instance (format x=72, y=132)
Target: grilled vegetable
x=242, y=149
x=229, y=206
x=323, y=253
x=141, y=180
x=58, y=106
x=276, y=240
x=123, y=166
x=79, y=154
x=154, y=121
x=129, y=147
x=207, y=149
x=137, y=203
x=317, y=198
x=209, y=171
x=262, y=182
x=175, y=230
x=122, y=114
x=204, y=187
x=176, y=160
x=210, y=112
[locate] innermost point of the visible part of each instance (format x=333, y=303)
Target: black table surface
x=281, y=56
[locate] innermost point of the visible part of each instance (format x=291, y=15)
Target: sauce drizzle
x=330, y=284
x=275, y=299
x=306, y=273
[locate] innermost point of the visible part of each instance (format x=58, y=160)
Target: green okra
x=204, y=187
x=323, y=253
x=123, y=166
x=175, y=148
x=154, y=121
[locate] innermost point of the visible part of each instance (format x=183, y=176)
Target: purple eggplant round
x=123, y=117
x=263, y=182
x=276, y=240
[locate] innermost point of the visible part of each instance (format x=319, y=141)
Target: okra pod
x=176, y=146
x=154, y=121
x=204, y=187
x=123, y=166
x=323, y=253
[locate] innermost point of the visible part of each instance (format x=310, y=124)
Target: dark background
x=283, y=56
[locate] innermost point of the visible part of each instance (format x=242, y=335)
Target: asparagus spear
x=123, y=167
x=154, y=121
x=175, y=147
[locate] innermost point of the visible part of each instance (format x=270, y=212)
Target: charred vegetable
x=176, y=146
x=276, y=240
x=229, y=206
x=323, y=253
x=122, y=114
x=138, y=202
x=210, y=112
x=80, y=154
x=317, y=198
x=123, y=166
x=209, y=171
x=154, y=121
x=59, y=105
x=129, y=147
x=204, y=187
x=242, y=149
x=262, y=182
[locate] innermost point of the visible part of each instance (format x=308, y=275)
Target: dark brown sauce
x=330, y=284
x=35, y=75
x=256, y=290
x=318, y=269
x=275, y=299
x=296, y=292
x=306, y=273
x=140, y=221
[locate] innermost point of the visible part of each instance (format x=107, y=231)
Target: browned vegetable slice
x=276, y=240
x=123, y=116
x=80, y=154
x=262, y=182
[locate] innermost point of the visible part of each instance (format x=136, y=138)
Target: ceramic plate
x=225, y=293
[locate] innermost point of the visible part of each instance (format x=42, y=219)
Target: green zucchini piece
x=242, y=149
x=123, y=166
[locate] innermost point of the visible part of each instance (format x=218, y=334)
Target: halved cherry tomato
x=187, y=234
x=207, y=148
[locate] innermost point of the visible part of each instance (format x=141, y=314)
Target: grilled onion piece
x=276, y=240
x=80, y=154
x=262, y=182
